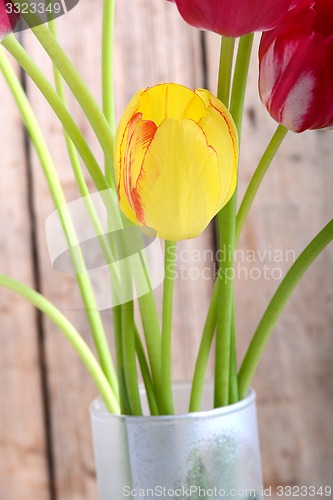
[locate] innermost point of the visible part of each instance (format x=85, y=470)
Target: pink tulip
x=296, y=67
x=8, y=18
x=233, y=17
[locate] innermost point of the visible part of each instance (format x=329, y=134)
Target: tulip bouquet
x=170, y=168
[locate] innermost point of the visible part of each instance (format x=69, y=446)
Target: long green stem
x=60, y=203
x=276, y=305
x=131, y=375
x=75, y=82
x=227, y=226
x=233, y=379
x=31, y=68
x=104, y=243
x=152, y=333
x=118, y=340
x=107, y=62
x=258, y=176
x=225, y=69
x=76, y=167
x=80, y=92
x=71, y=334
x=169, y=281
x=240, y=80
x=203, y=354
x=146, y=375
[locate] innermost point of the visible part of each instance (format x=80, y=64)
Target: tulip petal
x=140, y=134
x=170, y=101
x=179, y=186
x=119, y=153
x=221, y=134
x=8, y=18
x=233, y=18
x=296, y=67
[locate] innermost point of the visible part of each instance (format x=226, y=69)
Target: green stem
x=276, y=305
x=151, y=329
x=225, y=69
x=131, y=375
x=105, y=245
x=107, y=62
x=203, y=354
x=75, y=82
x=233, y=379
x=59, y=200
x=227, y=227
x=258, y=176
x=107, y=74
x=71, y=334
x=117, y=325
x=78, y=174
x=30, y=67
x=240, y=80
x=166, y=352
x=80, y=91
x=146, y=375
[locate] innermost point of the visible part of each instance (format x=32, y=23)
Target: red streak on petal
x=235, y=146
x=140, y=135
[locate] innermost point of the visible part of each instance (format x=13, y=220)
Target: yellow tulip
x=176, y=157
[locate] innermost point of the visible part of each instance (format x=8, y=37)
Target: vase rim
x=98, y=410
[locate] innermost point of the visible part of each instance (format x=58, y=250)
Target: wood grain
x=294, y=380
x=22, y=434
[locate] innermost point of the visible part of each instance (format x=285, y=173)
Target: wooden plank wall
x=48, y=455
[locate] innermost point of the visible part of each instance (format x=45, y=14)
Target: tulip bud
x=296, y=67
x=8, y=18
x=176, y=156
x=233, y=17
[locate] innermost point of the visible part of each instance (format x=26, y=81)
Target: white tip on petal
x=298, y=102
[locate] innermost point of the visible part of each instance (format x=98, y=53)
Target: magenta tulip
x=296, y=67
x=8, y=18
x=233, y=17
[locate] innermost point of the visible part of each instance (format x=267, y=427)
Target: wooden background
x=45, y=442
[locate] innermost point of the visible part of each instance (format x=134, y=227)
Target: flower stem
x=276, y=305
x=31, y=68
x=169, y=280
x=203, y=354
x=78, y=174
x=118, y=340
x=146, y=375
x=107, y=62
x=80, y=91
x=258, y=176
x=240, y=80
x=75, y=82
x=130, y=370
x=71, y=334
x=233, y=381
x=107, y=75
x=227, y=227
x=59, y=200
x=225, y=69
